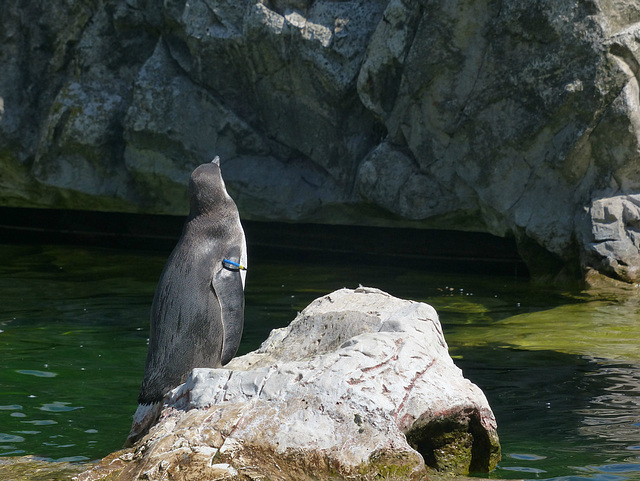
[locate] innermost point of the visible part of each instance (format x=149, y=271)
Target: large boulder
x=513, y=119
x=611, y=236
x=359, y=386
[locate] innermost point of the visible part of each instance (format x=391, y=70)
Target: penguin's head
x=206, y=188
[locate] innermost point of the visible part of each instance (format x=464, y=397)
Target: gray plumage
x=198, y=309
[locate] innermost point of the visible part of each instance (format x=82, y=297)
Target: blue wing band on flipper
x=232, y=266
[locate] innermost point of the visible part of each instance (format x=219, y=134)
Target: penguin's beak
x=216, y=160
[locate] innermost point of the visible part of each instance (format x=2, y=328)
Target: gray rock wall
x=515, y=118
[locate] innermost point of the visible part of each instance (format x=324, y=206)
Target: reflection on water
x=561, y=370
x=614, y=415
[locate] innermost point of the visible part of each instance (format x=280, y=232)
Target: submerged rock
x=31, y=468
x=360, y=385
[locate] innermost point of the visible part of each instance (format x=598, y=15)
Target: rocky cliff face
x=514, y=118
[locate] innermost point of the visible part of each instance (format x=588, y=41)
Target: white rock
x=351, y=388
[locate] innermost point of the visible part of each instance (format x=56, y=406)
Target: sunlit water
x=561, y=370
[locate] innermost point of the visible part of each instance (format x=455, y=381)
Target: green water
x=560, y=369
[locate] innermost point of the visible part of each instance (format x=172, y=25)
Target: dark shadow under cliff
x=439, y=250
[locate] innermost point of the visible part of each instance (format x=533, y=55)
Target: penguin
x=197, y=313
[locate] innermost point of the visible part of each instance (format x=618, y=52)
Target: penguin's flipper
x=228, y=288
